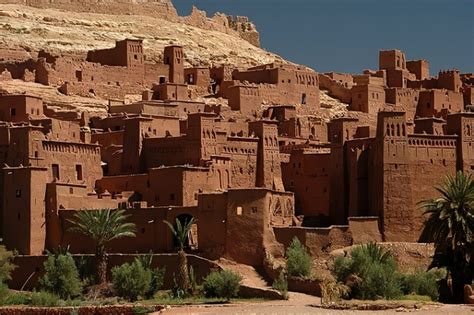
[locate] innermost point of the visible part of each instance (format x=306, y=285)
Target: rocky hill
x=58, y=27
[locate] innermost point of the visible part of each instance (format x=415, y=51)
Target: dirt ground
x=305, y=304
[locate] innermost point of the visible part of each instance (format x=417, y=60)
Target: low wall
x=30, y=268
x=364, y=230
x=308, y=286
x=319, y=241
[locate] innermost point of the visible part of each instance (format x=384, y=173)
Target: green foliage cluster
x=423, y=283
x=298, y=260
x=223, y=284
x=371, y=272
x=137, y=279
x=61, y=276
x=6, y=267
x=281, y=284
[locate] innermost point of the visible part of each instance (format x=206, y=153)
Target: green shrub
x=298, y=263
x=157, y=274
x=131, y=281
x=370, y=272
x=222, y=284
x=281, y=284
x=422, y=283
x=16, y=299
x=47, y=299
x=87, y=270
x=61, y=276
x=6, y=266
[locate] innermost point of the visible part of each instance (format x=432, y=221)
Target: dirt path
x=272, y=308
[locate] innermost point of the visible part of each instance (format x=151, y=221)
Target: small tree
x=298, y=260
x=181, y=235
x=131, y=280
x=450, y=225
x=102, y=226
x=61, y=276
x=281, y=284
x=157, y=275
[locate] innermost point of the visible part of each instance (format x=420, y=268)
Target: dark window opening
x=55, y=169
x=12, y=111
x=79, y=172
x=79, y=75
x=303, y=99
x=162, y=80
x=18, y=193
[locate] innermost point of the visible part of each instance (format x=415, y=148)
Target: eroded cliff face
x=27, y=29
x=162, y=9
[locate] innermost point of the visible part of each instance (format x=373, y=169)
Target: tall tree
x=181, y=232
x=102, y=226
x=450, y=226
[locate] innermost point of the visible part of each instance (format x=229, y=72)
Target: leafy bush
x=157, y=274
x=422, y=283
x=298, y=263
x=131, y=281
x=6, y=266
x=370, y=272
x=45, y=299
x=16, y=299
x=223, y=284
x=61, y=276
x=281, y=284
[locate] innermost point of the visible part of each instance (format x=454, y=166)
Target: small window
x=55, y=169
x=18, y=193
x=79, y=172
x=254, y=209
x=12, y=111
x=135, y=56
x=71, y=190
x=162, y=80
x=239, y=210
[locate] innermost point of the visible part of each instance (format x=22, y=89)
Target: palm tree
x=450, y=226
x=102, y=226
x=181, y=232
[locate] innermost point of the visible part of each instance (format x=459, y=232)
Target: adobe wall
x=336, y=89
x=33, y=265
x=319, y=241
x=307, y=175
x=364, y=230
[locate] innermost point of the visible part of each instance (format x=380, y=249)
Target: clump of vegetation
x=157, y=275
x=222, y=284
x=423, y=283
x=61, y=276
x=332, y=291
x=6, y=268
x=131, y=281
x=298, y=260
x=370, y=272
x=281, y=284
x=450, y=225
x=46, y=299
